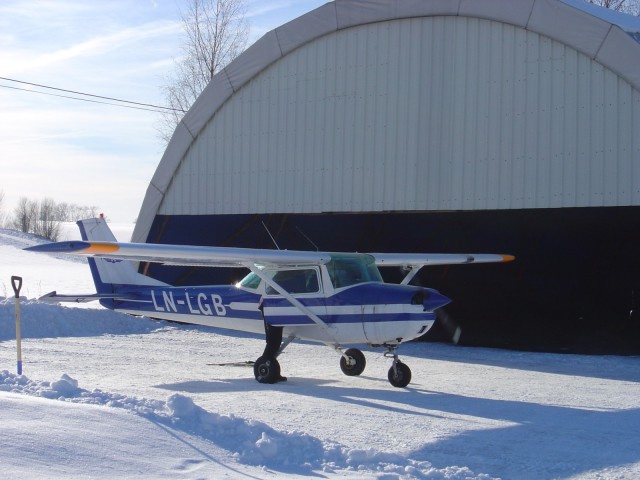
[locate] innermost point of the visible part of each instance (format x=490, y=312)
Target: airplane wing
x=185, y=254
x=241, y=257
x=413, y=262
x=423, y=259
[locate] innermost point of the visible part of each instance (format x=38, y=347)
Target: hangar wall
x=430, y=125
x=431, y=113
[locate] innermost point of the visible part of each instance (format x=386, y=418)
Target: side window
x=295, y=281
x=251, y=281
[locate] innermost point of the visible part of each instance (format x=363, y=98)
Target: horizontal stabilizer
x=53, y=297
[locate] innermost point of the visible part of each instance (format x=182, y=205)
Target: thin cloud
x=97, y=46
x=87, y=153
x=260, y=7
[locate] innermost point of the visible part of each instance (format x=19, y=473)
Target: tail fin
x=109, y=274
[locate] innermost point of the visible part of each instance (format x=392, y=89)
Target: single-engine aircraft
x=336, y=299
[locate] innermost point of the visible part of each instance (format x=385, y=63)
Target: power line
x=80, y=99
x=134, y=105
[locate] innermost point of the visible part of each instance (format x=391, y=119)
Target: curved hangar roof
x=374, y=105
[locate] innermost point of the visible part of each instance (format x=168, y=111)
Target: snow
x=106, y=395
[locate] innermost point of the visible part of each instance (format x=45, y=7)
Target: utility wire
x=138, y=105
x=81, y=99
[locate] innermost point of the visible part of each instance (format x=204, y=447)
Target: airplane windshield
x=251, y=281
x=346, y=270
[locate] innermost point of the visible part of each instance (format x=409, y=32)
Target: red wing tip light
x=508, y=258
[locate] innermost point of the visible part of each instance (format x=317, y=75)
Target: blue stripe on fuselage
x=228, y=301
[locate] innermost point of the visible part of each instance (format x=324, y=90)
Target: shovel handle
x=16, y=283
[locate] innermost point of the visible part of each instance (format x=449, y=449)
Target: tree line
x=44, y=217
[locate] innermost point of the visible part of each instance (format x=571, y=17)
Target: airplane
x=336, y=299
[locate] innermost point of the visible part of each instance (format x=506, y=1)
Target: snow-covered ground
x=104, y=395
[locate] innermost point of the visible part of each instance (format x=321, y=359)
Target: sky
x=86, y=153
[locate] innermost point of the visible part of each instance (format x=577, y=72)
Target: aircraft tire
x=266, y=369
x=400, y=376
x=356, y=368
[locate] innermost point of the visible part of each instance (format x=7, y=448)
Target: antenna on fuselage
x=271, y=236
x=308, y=239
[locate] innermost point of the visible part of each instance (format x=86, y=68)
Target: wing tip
x=75, y=246
x=59, y=247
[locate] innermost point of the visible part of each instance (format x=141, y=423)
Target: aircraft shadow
x=545, y=441
x=590, y=366
x=542, y=441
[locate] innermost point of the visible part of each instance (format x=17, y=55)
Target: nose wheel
x=399, y=374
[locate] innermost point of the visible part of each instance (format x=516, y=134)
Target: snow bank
x=251, y=442
x=43, y=320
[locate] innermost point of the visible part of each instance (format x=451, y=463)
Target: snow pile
x=251, y=442
x=43, y=320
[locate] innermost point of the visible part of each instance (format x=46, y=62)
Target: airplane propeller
x=451, y=327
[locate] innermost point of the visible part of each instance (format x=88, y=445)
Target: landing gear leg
x=267, y=369
x=399, y=374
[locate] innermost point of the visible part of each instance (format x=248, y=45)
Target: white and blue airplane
x=336, y=299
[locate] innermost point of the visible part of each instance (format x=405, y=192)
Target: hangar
x=506, y=126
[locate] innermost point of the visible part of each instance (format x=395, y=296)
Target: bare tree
x=627, y=6
x=44, y=218
x=216, y=32
x=70, y=212
x=23, y=215
x=46, y=224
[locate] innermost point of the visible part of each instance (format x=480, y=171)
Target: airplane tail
x=109, y=274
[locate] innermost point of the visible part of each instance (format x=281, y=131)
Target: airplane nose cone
x=434, y=299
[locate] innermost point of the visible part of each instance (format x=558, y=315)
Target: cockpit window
x=295, y=281
x=347, y=270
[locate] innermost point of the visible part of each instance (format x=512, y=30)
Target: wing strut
x=296, y=303
x=412, y=272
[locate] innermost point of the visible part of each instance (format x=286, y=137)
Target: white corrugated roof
x=604, y=36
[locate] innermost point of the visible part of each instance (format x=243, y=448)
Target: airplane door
x=305, y=286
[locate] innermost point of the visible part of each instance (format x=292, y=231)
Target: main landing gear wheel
x=355, y=363
x=399, y=374
x=267, y=370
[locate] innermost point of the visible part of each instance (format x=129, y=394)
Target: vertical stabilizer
x=109, y=274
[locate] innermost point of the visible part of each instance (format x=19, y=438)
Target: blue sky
x=86, y=153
